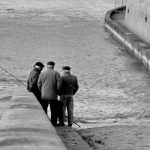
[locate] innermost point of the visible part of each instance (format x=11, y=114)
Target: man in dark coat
x=69, y=86
x=48, y=85
x=33, y=79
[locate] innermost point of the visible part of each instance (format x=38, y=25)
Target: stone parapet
x=25, y=126
x=136, y=46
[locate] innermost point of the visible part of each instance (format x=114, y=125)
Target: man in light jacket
x=48, y=85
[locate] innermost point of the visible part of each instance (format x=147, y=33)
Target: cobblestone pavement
x=72, y=139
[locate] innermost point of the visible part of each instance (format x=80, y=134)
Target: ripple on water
x=5, y=98
x=72, y=32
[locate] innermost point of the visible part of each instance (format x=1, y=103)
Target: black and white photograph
x=74, y=74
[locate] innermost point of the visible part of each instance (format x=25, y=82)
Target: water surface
x=114, y=87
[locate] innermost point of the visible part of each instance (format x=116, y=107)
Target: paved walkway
x=71, y=139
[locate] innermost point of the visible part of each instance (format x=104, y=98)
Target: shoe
x=56, y=125
x=60, y=124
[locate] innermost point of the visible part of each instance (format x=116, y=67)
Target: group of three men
x=51, y=88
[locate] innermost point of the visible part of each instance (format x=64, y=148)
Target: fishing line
x=74, y=122
x=26, y=86
x=13, y=76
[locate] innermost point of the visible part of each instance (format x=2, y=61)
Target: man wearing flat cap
x=33, y=79
x=68, y=88
x=48, y=85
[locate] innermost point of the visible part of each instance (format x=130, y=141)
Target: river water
x=114, y=87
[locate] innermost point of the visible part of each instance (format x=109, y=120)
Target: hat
x=51, y=63
x=39, y=64
x=66, y=68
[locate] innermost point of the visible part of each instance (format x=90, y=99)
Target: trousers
x=53, y=109
x=68, y=104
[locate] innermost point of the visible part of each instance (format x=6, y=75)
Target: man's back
x=32, y=80
x=48, y=83
x=69, y=84
x=68, y=87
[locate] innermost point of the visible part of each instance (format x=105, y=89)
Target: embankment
x=25, y=126
x=139, y=48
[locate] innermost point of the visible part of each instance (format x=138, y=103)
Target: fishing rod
x=74, y=122
x=77, y=124
x=13, y=76
x=26, y=86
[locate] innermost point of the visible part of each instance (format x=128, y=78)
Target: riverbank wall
x=134, y=44
x=25, y=125
x=137, y=18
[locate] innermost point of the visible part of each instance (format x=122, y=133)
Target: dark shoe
x=55, y=124
x=70, y=125
x=60, y=124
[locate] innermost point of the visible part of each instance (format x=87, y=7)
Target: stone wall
x=138, y=18
x=25, y=126
x=133, y=44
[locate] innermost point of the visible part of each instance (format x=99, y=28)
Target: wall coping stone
x=25, y=126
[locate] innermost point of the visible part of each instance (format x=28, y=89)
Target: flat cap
x=51, y=63
x=39, y=64
x=66, y=68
